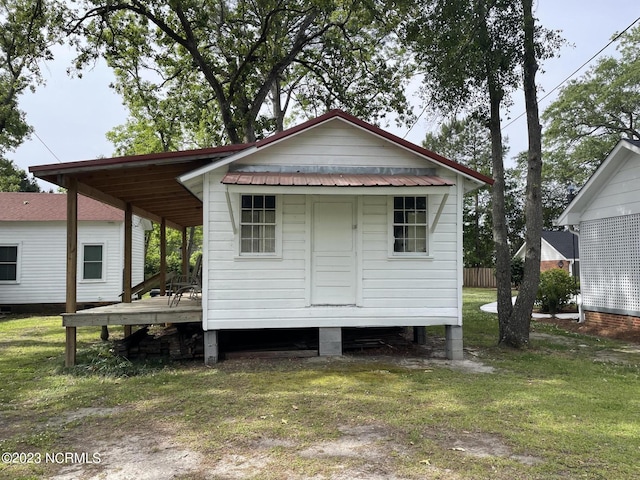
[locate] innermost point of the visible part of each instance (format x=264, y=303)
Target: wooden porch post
x=128, y=253
x=163, y=256
x=185, y=260
x=72, y=269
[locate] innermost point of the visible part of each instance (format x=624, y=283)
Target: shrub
x=555, y=290
x=517, y=271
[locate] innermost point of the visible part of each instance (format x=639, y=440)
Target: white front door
x=333, y=259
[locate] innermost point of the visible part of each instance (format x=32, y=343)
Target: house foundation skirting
x=612, y=321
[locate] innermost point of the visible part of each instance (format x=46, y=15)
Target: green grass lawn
x=555, y=409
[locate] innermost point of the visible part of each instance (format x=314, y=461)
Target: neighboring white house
x=558, y=249
x=33, y=254
x=607, y=213
x=334, y=223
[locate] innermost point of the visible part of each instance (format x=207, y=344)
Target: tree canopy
x=593, y=112
x=14, y=179
x=28, y=29
x=474, y=52
x=239, y=66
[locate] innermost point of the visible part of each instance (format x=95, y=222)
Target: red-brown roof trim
x=135, y=160
x=377, y=131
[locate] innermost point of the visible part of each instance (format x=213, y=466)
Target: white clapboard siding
x=43, y=260
x=336, y=144
x=249, y=292
x=619, y=196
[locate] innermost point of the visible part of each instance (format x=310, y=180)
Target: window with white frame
x=410, y=229
x=8, y=263
x=258, y=224
x=92, y=262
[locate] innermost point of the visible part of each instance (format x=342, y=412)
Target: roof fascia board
x=214, y=166
x=135, y=160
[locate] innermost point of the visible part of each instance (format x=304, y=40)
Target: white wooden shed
x=33, y=239
x=334, y=223
x=607, y=213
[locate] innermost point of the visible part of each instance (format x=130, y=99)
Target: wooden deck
x=148, y=311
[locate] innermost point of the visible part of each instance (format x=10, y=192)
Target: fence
x=479, y=277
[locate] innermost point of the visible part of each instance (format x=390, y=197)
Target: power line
x=47, y=147
x=613, y=40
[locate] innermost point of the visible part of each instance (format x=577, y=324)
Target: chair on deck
x=191, y=285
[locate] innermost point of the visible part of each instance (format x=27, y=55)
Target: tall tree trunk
x=500, y=237
x=517, y=334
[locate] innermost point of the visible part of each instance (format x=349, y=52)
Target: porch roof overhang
x=147, y=182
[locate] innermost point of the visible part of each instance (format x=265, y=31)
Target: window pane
x=8, y=272
x=92, y=270
x=246, y=201
x=421, y=203
x=270, y=216
x=270, y=201
x=409, y=203
x=93, y=253
x=421, y=217
x=398, y=203
x=9, y=254
x=246, y=216
x=258, y=201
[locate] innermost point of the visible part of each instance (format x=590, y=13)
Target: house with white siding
x=558, y=249
x=33, y=242
x=606, y=211
x=333, y=223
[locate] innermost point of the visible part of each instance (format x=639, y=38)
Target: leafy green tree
x=250, y=61
x=174, y=249
x=28, y=30
x=467, y=141
x=473, y=53
x=592, y=113
x=14, y=179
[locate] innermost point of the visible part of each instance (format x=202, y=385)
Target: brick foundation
x=551, y=264
x=612, y=322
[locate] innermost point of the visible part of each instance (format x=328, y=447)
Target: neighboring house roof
x=565, y=242
x=48, y=207
x=557, y=245
x=623, y=151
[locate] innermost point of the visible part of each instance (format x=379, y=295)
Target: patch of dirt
x=477, y=444
x=145, y=455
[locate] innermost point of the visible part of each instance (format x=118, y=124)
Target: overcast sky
x=72, y=115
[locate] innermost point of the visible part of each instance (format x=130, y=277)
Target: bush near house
x=555, y=290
